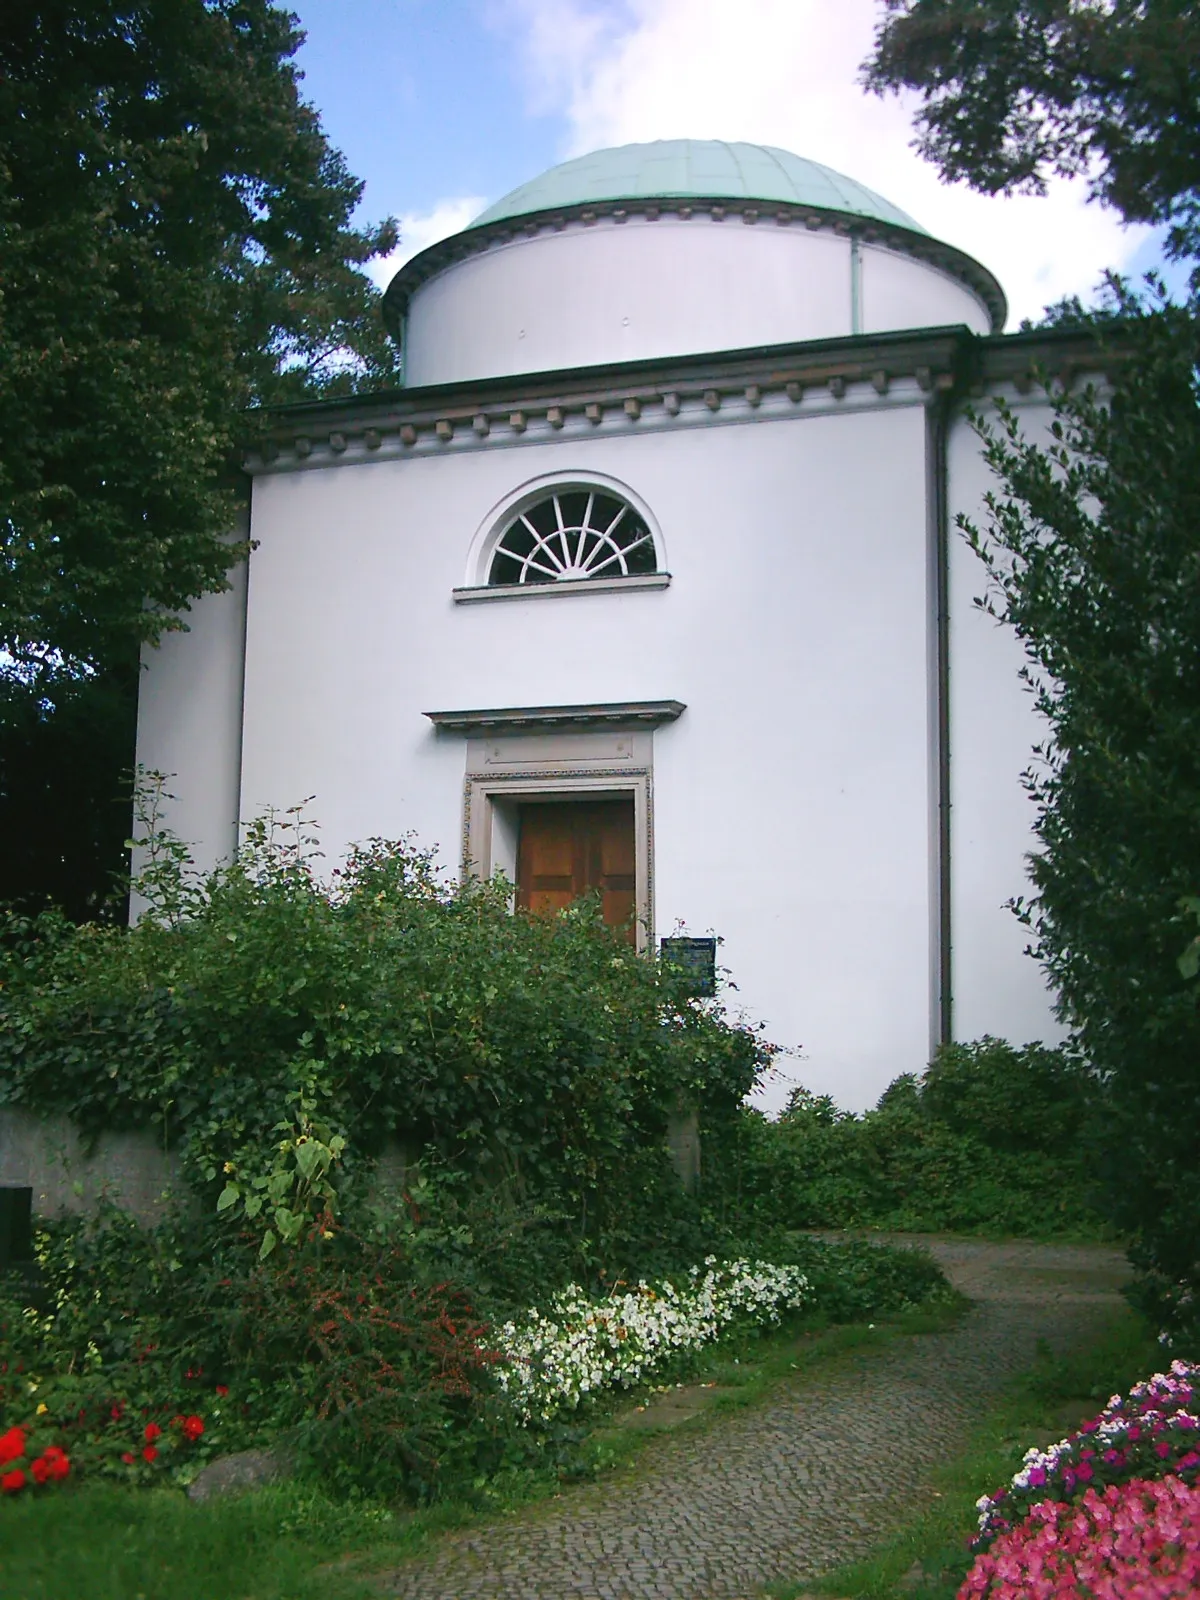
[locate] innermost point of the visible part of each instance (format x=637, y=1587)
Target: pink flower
x=1137, y=1541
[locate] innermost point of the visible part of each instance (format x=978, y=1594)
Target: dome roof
x=695, y=169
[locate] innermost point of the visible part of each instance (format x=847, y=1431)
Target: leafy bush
x=1091, y=543
x=988, y=1139
x=163, y=1347
x=377, y=1371
x=279, y=1028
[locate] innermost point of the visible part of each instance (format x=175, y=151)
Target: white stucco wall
x=898, y=292
x=994, y=728
x=640, y=289
x=791, y=799
x=189, y=721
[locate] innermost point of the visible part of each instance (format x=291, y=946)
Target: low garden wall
x=48, y=1155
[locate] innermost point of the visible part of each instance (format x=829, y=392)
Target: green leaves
x=291, y=1027
x=1092, y=551
x=1189, y=961
x=1016, y=90
x=178, y=252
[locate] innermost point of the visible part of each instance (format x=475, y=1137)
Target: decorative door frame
x=524, y=754
x=490, y=803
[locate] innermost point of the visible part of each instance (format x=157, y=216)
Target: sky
x=442, y=106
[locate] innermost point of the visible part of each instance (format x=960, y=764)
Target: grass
x=292, y=1541
x=928, y=1558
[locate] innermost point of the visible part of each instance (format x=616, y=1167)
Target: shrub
x=279, y=1027
x=378, y=1370
x=989, y=1138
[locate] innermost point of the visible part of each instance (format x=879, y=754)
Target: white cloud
x=420, y=229
x=785, y=72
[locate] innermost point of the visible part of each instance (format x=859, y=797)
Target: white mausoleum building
x=648, y=582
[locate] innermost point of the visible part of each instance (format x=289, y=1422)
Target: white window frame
x=500, y=518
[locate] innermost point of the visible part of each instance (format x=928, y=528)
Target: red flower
x=56, y=1462
x=40, y=1470
x=118, y=1411
x=193, y=1427
x=153, y=1431
x=12, y=1481
x=12, y=1445
x=128, y=1457
x=222, y=1390
x=150, y=1453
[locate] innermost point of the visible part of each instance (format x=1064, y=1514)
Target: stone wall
x=48, y=1155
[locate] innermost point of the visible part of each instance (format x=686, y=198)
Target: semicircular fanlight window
x=575, y=534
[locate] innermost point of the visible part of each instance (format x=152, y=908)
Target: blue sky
x=444, y=105
x=425, y=99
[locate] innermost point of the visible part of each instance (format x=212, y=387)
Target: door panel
x=569, y=847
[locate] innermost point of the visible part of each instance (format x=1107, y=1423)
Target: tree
x=1092, y=547
x=176, y=248
x=176, y=253
x=1015, y=90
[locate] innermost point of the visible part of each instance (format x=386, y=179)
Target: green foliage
x=280, y=1031
x=177, y=247
x=1092, y=549
x=988, y=1139
x=373, y=1372
x=65, y=763
x=1015, y=90
x=358, y=1350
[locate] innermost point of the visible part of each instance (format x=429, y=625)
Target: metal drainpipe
x=938, y=425
x=855, y=285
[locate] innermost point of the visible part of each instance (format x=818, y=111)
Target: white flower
x=582, y=1346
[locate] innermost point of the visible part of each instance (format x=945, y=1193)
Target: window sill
x=544, y=591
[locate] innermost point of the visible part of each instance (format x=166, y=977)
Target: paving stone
x=812, y=1477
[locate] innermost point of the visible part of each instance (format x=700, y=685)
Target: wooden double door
x=567, y=848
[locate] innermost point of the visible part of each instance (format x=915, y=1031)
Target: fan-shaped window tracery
x=573, y=535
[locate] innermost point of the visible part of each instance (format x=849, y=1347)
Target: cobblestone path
x=811, y=1478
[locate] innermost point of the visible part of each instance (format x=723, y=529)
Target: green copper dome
x=701, y=169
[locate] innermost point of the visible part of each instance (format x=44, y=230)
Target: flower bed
x=21, y=1465
x=580, y=1346
x=1134, y=1541
x=1151, y=1433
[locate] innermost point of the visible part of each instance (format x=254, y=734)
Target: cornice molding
x=630, y=714
x=709, y=390
x=735, y=386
